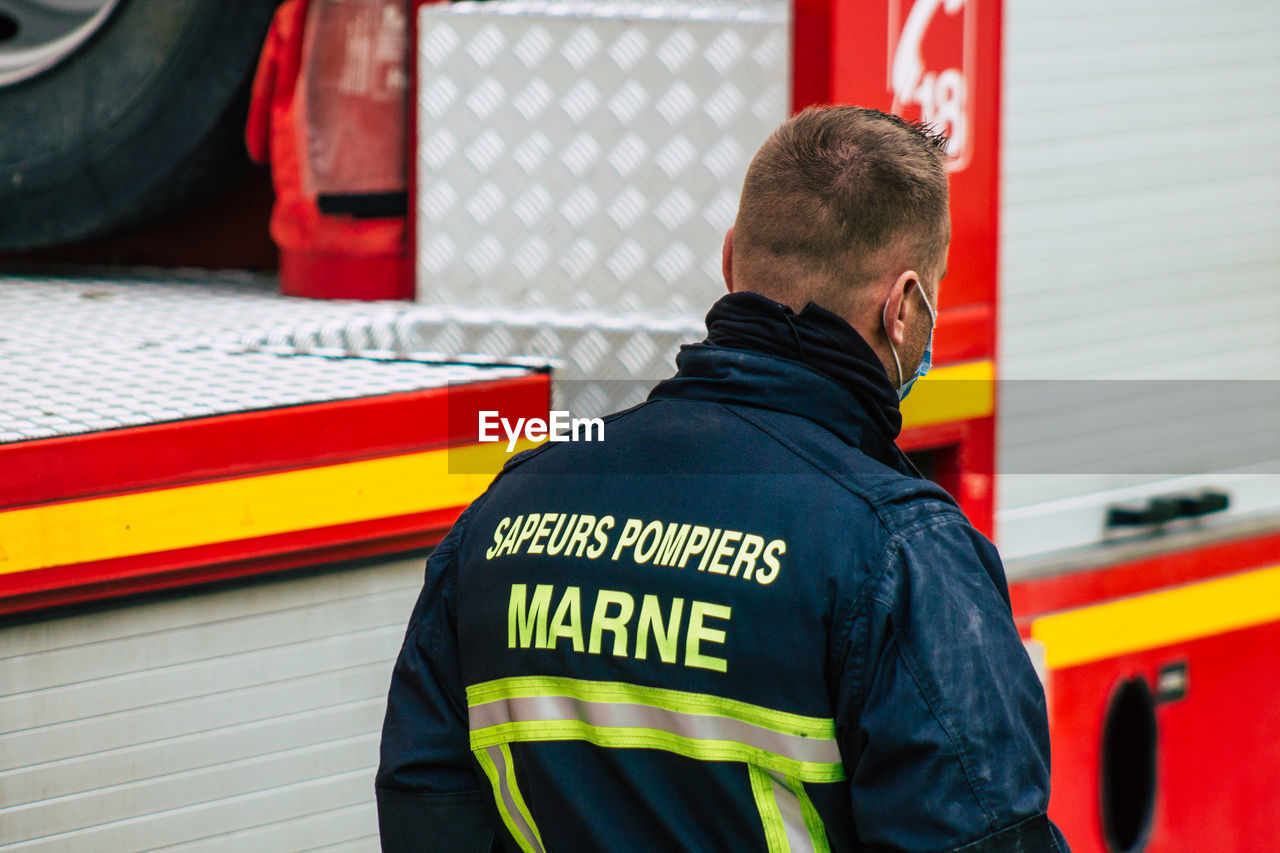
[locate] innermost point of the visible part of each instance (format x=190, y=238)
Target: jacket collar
x=761, y=354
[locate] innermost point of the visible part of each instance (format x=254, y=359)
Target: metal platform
x=81, y=355
x=157, y=433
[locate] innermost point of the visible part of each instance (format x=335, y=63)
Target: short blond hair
x=835, y=197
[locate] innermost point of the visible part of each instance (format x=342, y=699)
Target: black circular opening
x=1129, y=767
x=8, y=28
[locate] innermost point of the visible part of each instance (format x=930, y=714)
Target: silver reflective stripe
x=798, y=839
x=513, y=811
x=622, y=714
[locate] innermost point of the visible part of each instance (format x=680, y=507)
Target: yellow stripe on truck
x=956, y=392
x=244, y=508
x=1158, y=619
x=188, y=516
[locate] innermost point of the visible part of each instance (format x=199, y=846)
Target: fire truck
x=216, y=490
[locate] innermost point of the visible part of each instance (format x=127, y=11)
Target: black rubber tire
x=145, y=118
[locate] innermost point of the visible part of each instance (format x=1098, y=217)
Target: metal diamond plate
x=585, y=156
x=83, y=355
x=602, y=361
x=579, y=165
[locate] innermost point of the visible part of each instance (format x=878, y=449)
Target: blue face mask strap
x=904, y=388
x=884, y=319
x=933, y=315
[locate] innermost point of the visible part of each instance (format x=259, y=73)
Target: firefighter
x=742, y=620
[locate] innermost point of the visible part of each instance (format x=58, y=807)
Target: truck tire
x=131, y=111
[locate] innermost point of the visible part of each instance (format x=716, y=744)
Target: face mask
x=926, y=360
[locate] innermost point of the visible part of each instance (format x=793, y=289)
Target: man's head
x=847, y=207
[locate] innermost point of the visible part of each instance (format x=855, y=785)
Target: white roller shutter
x=1140, y=241
x=237, y=719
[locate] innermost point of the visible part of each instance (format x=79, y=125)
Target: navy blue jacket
x=740, y=622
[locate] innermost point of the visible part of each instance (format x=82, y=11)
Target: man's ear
x=897, y=307
x=726, y=259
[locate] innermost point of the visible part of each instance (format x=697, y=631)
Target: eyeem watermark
x=559, y=426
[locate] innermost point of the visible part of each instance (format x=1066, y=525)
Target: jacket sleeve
x=947, y=740
x=429, y=794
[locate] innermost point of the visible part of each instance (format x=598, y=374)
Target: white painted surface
x=1140, y=241
x=235, y=719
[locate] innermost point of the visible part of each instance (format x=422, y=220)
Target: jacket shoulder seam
x=876, y=505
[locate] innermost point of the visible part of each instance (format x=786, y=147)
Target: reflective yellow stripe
x=244, y=508
x=629, y=716
x=496, y=781
x=812, y=820
x=648, y=738
x=791, y=823
x=500, y=768
x=1157, y=619
x=956, y=392
x=775, y=833
x=657, y=697
x=521, y=807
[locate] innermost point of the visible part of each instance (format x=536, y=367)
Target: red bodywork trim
x=964, y=333
x=1033, y=598
x=811, y=53
x=928, y=437
x=245, y=443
